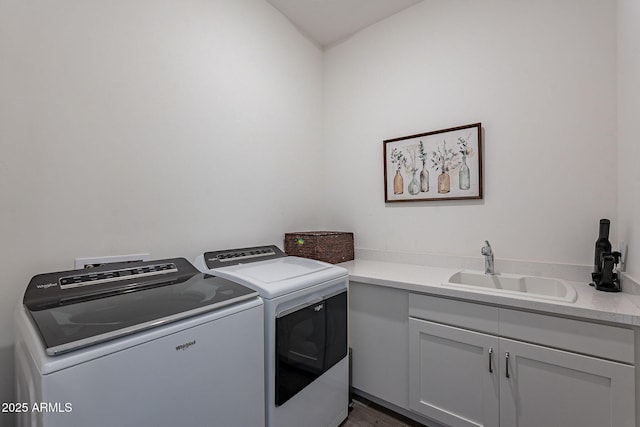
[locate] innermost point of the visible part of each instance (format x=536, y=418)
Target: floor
x=366, y=413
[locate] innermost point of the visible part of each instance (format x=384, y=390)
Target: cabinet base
x=398, y=410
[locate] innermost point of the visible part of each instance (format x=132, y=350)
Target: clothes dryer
x=306, y=362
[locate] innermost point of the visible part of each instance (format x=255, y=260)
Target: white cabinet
x=485, y=377
x=379, y=338
x=453, y=374
x=549, y=387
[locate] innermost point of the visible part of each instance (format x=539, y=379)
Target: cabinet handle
x=490, y=360
x=506, y=356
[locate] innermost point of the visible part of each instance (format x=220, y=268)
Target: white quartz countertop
x=622, y=308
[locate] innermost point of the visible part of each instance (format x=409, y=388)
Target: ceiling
x=327, y=22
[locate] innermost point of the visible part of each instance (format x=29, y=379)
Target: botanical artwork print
x=436, y=165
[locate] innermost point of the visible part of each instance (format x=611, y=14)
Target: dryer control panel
x=224, y=258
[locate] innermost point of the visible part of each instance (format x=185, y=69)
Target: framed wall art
x=441, y=165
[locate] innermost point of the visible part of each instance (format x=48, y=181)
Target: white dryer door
x=283, y=269
x=281, y=276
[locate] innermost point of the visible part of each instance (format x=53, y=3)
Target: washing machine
x=154, y=343
x=306, y=361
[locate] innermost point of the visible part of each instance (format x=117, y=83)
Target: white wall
x=539, y=75
x=166, y=127
x=629, y=130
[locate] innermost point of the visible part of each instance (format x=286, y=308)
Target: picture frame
x=440, y=165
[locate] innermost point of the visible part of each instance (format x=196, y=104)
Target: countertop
x=622, y=308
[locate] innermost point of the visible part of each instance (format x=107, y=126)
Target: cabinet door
x=453, y=374
x=379, y=333
x=549, y=387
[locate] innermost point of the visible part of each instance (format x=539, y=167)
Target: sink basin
x=512, y=284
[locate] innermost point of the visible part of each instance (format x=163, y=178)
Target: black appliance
x=78, y=308
x=605, y=276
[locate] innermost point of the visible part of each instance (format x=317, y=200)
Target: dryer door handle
x=298, y=307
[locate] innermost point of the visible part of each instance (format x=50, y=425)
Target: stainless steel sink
x=525, y=286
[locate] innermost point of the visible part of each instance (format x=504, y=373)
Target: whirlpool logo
x=183, y=347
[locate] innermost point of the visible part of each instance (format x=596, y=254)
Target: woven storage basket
x=327, y=246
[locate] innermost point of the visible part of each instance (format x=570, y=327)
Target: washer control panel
x=73, y=286
x=85, y=279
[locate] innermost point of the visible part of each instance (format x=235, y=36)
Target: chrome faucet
x=488, y=258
